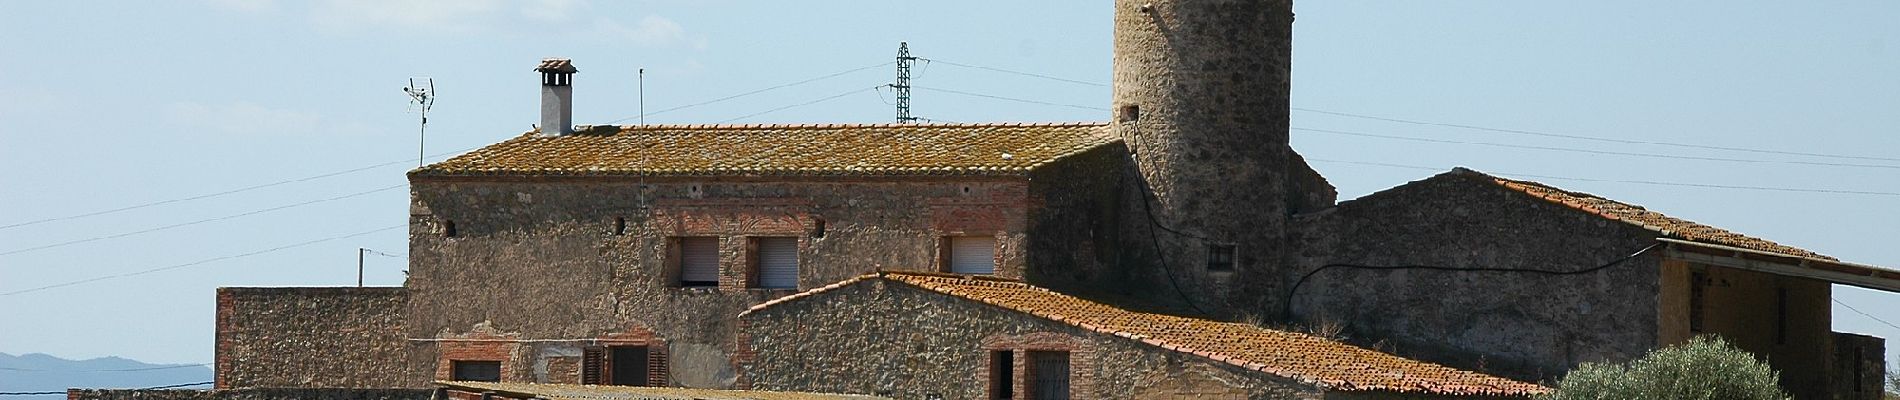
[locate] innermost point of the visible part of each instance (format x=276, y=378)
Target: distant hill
x=36, y=372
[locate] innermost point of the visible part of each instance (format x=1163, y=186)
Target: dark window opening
x=1002, y=369
x=591, y=358
x=478, y=371
x=1220, y=257
x=1697, y=281
x=629, y=365
x=448, y=228
x=620, y=225
x=1049, y=375
x=1128, y=113
x=1781, y=315
x=818, y=229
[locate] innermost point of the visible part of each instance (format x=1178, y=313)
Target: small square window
x=698, y=261
x=775, y=261
x=1220, y=257
x=478, y=371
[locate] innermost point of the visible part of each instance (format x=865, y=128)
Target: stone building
x=810, y=258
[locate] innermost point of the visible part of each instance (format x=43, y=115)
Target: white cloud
x=651, y=31
x=445, y=16
x=241, y=118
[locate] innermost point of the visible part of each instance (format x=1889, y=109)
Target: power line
x=821, y=100
x=767, y=89
x=1580, y=137
x=1291, y=293
x=1028, y=74
x=105, y=370
x=1587, y=151
x=1865, y=314
x=1012, y=99
x=208, y=260
x=227, y=192
x=184, y=224
x=148, y=388
x=1638, y=182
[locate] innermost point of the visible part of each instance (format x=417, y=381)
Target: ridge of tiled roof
x=1637, y=215
x=980, y=149
x=1306, y=358
x=559, y=391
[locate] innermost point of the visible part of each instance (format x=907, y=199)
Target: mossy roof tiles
x=781, y=150
x=1651, y=220
x=1307, y=358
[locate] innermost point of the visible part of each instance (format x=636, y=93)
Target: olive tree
x=1705, y=368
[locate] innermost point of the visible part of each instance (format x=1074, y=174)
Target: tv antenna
x=421, y=98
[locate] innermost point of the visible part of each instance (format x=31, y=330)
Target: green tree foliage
x=1705, y=368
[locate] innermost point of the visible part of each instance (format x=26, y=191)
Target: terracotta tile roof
x=1322, y=362
x=601, y=392
x=758, y=150
x=556, y=65
x=1636, y=215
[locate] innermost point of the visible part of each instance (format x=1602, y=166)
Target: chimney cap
x=556, y=66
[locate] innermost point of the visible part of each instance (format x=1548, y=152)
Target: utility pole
x=421, y=97
x=359, y=265
x=902, y=87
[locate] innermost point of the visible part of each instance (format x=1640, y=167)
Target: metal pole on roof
x=902, y=86
x=421, y=97
x=359, y=265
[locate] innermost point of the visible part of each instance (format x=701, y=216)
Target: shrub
x=1705, y=368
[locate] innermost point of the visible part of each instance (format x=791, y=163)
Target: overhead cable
x=199, y=262
x=753, y=92
x=184, y=224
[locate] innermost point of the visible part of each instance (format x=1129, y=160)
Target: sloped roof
x=1319, y=361
x=1637, y=215
x=551, y=391
x=780, y=150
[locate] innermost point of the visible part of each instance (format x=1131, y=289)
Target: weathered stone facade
x=893, y=340
x=557, y=243
x=1525, y=325
x=311, y=337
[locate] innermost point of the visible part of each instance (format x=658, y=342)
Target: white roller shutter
x=778, y=263
x=699, y=261
x=973, y=255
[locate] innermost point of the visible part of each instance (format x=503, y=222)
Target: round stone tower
x=1201, y=91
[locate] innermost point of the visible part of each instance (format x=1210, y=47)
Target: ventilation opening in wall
x=1128, y=113
x=818, y=228
x=695, y=191
x=620, y=225
x=966, y=189
x=448, y=228
x=1220, y=257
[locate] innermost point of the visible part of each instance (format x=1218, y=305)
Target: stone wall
x=891, y=339
x=311, y=337
x=1073, y=223
x=553, y=259
x=1531, y=327
x=249, y=394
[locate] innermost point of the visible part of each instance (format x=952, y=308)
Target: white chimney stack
x=557, y=96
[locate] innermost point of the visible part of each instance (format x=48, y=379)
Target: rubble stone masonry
x=311, y=337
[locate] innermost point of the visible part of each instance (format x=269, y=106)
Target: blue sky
x=108, y=105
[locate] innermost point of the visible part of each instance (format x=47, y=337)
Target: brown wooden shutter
x=590, y=365
x=657, y=366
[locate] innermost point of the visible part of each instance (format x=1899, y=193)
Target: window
x=616, y=365
x=1696, y=282
x=1049, y=375
x=479, y=371
x=1781, y=315
x=448, y=228
x=629, y=365
x=818, y=228
x=1002, y=368
x=776, y=262
x=1128, y=113
x=972, y=255
x=698, y=261
x=620, y=225
x=1220, y=257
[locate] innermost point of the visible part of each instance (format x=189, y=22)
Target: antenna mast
x=421, y=98
x=902, y=87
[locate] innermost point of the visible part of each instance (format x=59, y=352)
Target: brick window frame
x=751, y=276
x=734, y=222
x=943, y=252
x=658, y=361
x=1082, y=361
x=477, y=347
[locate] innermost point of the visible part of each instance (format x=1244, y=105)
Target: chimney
x=557, y=96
